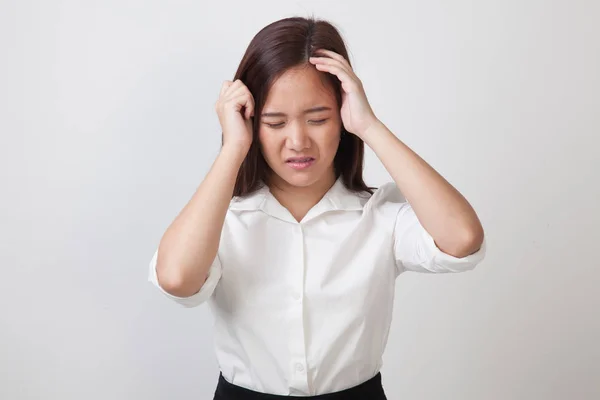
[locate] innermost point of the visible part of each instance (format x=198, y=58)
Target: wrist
x=371, y=129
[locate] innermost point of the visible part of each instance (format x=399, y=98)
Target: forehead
x=298, y=89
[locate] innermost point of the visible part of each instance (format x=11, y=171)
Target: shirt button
x=299, y=367
x=297, y=296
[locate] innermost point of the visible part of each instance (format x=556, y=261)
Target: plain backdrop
x=108, y=126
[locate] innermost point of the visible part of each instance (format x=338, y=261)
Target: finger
x=233, y=87
x=248, y=103
x=335, y=56
x=236, y=92
x=243, y=100
x=330, y=61
x=224, y=87
x=341, y=73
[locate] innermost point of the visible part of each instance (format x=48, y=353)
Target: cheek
x=329, y=140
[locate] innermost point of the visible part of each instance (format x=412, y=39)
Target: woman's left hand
x=356, y=112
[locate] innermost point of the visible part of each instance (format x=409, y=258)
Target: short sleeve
x=415, y=249
x=214, y=274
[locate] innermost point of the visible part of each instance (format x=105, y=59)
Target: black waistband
x=371, y=390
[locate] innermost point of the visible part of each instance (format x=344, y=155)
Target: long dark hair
x=276, y=48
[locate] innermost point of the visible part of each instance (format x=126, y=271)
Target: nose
x=297, y=137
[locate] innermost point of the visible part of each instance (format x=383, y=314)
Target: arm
x=441, y=209
x=189, y=245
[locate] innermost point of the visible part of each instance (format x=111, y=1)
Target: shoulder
x=387, y=198
x=251, y=201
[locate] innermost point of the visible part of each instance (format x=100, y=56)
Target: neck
x=300, y=199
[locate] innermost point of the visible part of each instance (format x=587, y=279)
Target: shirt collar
x=338, y=197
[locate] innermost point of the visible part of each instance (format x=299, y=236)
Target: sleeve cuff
x=439, y=261
x=214, y=274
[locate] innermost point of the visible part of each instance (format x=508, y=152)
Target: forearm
x=189, y=245
x=442, y=210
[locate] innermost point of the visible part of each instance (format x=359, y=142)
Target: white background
x=107, y=127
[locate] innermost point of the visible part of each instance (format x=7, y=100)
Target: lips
x=299, y=159
x=300, y=163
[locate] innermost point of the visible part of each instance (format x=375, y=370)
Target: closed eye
x=278, y=125
x=312, y=122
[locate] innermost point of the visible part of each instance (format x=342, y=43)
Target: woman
x=295, y=254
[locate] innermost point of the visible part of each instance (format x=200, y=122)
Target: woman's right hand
x=235, y=108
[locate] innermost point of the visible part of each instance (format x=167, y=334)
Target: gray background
x=108, y=127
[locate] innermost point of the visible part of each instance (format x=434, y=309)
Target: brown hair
x=276, y=48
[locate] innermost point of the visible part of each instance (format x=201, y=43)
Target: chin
x=300, y=179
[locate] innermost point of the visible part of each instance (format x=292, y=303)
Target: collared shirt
x=304, y=308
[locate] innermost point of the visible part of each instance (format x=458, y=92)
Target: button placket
x=299, y=379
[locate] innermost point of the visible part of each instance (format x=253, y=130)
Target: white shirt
x=304, y=308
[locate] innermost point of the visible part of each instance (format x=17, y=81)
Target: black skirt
x=369, y=390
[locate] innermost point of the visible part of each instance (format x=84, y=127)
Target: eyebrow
x=310, y=110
